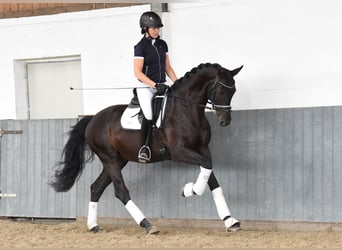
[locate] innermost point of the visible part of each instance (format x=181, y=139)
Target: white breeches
x=145, y=96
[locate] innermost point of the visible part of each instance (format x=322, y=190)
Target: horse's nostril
x=224, y=123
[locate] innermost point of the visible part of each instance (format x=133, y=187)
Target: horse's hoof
x=236, y=227
x=96, y=229
x=153, y=230
x=232, y=225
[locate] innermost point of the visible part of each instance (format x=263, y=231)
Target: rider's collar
x=149, y=39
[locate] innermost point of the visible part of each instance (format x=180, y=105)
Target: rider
x=151, y=64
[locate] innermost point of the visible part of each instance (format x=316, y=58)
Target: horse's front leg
x=206, y=176
x=199, y=186
x=203, y=158
x=230, y=223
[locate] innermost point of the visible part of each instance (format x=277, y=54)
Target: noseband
x=210, y=93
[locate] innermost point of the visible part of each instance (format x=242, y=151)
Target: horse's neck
x=196, y=89
x=192, y=96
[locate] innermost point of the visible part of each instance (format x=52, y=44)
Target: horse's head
x=221, y=93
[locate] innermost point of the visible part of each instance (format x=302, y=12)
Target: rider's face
x=154, y=32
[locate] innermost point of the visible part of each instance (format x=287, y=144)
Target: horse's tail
x=73, y=159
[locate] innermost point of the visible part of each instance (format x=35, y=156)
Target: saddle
x=132, y=116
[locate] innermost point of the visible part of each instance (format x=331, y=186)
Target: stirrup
x=144, y=157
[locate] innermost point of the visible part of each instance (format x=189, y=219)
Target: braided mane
x=193, y=71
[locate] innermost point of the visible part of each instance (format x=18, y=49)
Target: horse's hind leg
x=230, y=223
x=113, y=167
x=96, y=191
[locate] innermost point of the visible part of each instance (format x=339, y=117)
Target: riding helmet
x=150, y=19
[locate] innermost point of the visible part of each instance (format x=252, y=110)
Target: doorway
x=49, y=94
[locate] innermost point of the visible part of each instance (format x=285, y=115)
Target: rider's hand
x=161, y=88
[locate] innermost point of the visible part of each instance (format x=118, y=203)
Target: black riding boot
x=145, y=151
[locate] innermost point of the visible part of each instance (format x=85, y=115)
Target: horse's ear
x=236, y=71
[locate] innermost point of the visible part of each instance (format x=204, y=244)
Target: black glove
x=161, y=88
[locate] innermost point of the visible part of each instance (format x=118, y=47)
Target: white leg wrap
x=202, y=180
x=187, y=190
x=220, y=202
x=92, y=215
x=135, y=212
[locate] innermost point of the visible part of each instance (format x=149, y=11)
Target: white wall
x=291, y=50
x=103, y=38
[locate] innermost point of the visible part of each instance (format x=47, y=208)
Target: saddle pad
x=129, y=119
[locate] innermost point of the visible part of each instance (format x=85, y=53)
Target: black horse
x=185, y=137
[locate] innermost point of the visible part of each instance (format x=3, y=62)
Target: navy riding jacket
x=154, y=58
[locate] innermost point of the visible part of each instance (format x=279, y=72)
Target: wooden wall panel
x=26, y=166
x=277, y=164
x=13, y=10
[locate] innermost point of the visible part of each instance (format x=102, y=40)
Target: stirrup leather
x=143, y=156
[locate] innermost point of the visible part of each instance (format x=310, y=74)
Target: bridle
x=214, y=106
x=211, y=91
